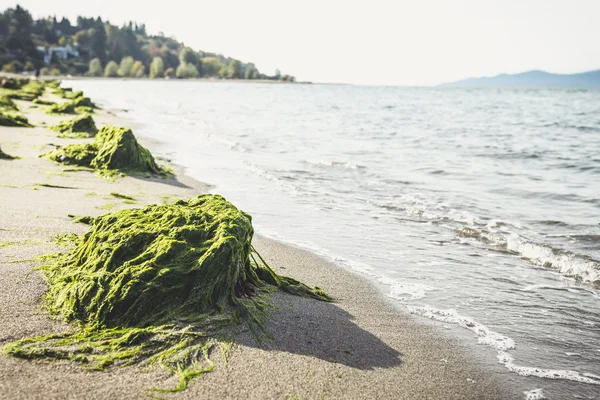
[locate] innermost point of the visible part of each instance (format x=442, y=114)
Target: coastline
x=359, y=347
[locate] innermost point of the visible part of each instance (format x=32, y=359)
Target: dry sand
x=360, y=347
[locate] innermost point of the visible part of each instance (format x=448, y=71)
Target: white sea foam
x=408, y=291
x=565, y=262
x=534, y=394
x=502, y=344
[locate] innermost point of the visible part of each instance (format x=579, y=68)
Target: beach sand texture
x=360, y=347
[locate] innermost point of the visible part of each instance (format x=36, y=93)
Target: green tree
x=126, y=66
x=13, y=67
x=19, y=38
x=111, y=70
x=98, y=41
x=169, y=73
x=63, y=41
x=157, y=68
x=235, y=69
x=138, y=70
x=95, y=68
x=82, y=38
x=251, y=72
x=187, y=70
x=188, y=56
x=211, y=66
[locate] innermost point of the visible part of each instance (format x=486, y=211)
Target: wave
x=336, y=164
x=567, y=263
x=502, y=344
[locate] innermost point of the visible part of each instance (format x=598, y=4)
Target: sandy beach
x=360, y=347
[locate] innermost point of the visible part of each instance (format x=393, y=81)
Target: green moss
x=79, y=127
x=115, y=150
x=12, y=118
x=162, y=285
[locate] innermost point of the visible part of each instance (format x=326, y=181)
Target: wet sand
x=360, y=347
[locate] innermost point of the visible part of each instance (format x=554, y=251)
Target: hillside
x=93, y=47
x=533, y=79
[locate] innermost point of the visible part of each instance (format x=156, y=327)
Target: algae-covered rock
x=159, y=285
x=12, y=83
x=6, y=104
x=114, y=150
x=18, y=94
x=27, y=91
x=140, y=267
x=78, y=127
x=12, y=118
x=76, y=106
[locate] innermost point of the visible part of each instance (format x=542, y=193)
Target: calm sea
x=477, y=208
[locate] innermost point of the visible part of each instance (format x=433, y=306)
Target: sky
x=373, y=42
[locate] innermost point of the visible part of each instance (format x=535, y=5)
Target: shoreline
x=359, y=347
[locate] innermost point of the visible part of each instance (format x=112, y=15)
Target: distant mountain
x=533, y=79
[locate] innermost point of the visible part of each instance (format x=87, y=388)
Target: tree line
x=99, y=48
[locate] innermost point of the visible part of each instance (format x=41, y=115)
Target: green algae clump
x=78, y=105
x=82, y=126
x=12, y=118
x=6, y=104
x=115, y=150
x=160, y=285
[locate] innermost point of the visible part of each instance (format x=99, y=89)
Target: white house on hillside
x=61, y=53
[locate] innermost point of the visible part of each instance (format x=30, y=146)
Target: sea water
x=477, y=208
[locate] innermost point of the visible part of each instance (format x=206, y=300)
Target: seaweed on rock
x=159, y=286
x=78, y=105
x=81, y=126
x=6, y=104
x=12, y=118
x=114, y=150
x=27, y=91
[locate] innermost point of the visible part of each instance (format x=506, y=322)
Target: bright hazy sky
x=401, y=42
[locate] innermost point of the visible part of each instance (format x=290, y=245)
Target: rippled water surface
x=478, y=208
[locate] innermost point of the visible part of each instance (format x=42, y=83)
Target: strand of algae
x=114, y=150
x=162, y=285
x=122, y=196
x=82, y=126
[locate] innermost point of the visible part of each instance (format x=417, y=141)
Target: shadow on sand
x=323, y=330
x=172, y=181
